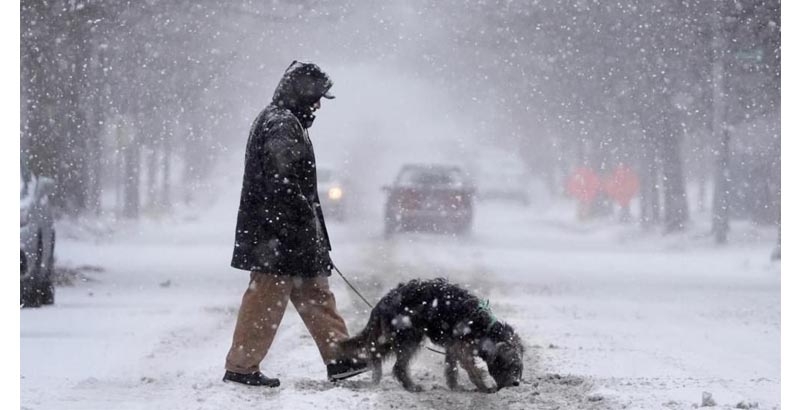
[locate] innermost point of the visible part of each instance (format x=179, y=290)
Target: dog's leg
x=451, y=368
x=405, y=352
x=467, y=360
x=377, y=370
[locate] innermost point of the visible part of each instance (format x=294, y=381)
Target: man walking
x=281, y=236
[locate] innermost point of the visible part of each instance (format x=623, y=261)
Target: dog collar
x=483, y=306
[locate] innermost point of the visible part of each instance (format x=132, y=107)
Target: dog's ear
x=499, y=331
x=487, y=349
x=502, y=331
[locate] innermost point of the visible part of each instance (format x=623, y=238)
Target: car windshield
x=503, y=175
x=438, y=177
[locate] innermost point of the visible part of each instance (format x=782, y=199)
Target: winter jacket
x=280, y=227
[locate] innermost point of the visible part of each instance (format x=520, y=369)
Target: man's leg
x=316, y=305
x=260, y=314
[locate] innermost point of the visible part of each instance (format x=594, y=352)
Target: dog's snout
x=515, y=383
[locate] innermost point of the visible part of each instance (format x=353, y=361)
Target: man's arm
x=285, y=156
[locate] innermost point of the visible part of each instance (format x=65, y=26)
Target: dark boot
x=252, y=379
x=344, y=369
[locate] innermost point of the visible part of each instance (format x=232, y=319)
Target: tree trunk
x=131, y=182
x=720, y=224
x=166, y=170
x=702, y=181
x=720, y=213
x=94, y=171
x=151, y=180
x=95, y=118
x=650, y=205
x=676, y=207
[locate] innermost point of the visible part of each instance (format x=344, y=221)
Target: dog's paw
x=414, y=388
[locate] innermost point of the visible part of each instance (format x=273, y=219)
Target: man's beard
x=306, y=117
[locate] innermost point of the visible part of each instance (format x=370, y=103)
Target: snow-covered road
x=612, y=317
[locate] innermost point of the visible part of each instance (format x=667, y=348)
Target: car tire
x=46, y=293
x=29, y=289
x=23, y=283
x=29, y=294
x=52, y=258
x=23, y=263
x=46, y=287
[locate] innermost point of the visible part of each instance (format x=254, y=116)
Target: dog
x=450, y=317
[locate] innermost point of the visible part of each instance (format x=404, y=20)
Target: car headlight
x=335, y=193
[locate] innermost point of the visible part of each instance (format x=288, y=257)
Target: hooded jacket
x=280, y=227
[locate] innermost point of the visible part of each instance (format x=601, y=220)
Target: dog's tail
x=368, y=343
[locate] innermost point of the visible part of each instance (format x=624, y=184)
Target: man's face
x=316, y=105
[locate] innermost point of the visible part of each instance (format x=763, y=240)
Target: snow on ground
x=613, y=317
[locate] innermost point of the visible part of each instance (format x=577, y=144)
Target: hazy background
x=135, y=107
x=141, y=109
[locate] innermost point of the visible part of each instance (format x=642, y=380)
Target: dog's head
x=502, y=351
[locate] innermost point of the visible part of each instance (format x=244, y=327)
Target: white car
x=507, y=183
x=37, y=239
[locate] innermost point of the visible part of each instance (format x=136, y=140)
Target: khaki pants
x=263, y=305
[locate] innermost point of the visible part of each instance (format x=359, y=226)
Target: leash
x=352, y=287
x=366, y=301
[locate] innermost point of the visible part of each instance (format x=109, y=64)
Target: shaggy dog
x=450, y=317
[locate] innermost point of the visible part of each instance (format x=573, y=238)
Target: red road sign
x=622, y=185
x=584, y=184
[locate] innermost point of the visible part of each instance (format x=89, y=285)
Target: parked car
x=505, y=183
x=37, y=239
x=334, y=195
x=429, y=197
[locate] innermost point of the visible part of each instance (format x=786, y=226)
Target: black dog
x=450, y=317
